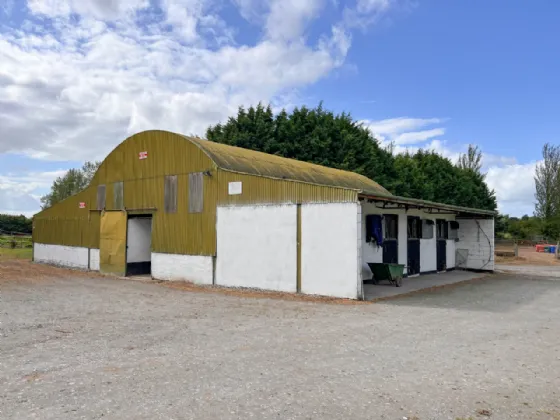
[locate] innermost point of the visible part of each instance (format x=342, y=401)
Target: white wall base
x=177, y=267
x=257, y=247
x=330, y=261
x=64, y=256
x=94, y=259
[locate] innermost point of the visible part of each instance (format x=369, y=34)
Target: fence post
x=558, y=250
x=516, y=249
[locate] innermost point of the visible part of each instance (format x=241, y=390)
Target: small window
x=170, y=194
x=414, y=227
x=442, y=229
x=427, y=229
x=118, y=197
x=100, y=197
x=196, y=193
x=391, y=226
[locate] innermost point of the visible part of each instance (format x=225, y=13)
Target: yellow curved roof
x=237, y=159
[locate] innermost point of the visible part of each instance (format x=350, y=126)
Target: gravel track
x=80, y=347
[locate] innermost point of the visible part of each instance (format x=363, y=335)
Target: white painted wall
x=450, y=254
x=94, y=259
x=139, y=240
x=329, y=250
x=176, y=267
x=257, y=247
x=477, y=237
x=66, y=256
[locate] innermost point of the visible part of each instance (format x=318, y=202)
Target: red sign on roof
x=143, y=155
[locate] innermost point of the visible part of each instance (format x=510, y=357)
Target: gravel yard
x=75, y=346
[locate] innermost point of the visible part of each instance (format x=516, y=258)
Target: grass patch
x=16, y=253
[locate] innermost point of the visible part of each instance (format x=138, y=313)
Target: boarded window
x=427, y=229
x=453, y=230
x=118, y=197
x=170, y=194
x=100, y=197
x=196, y=194
x=391, y=226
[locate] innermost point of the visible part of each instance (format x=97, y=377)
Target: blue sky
x=79, y=76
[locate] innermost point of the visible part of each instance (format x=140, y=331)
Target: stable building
x=187, y=209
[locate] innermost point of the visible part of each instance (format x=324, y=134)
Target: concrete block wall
x=94, y=259
x=257, y=247
x=476, y=240
x=197, y=269
x=65, y=256
x=329, y=250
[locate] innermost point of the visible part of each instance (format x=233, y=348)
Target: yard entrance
x=139, y=245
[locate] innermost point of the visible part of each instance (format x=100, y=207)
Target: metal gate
x=112, y=242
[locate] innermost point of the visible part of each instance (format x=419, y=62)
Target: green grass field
x=16, y=253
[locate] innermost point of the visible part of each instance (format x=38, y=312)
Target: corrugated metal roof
x=237, y=159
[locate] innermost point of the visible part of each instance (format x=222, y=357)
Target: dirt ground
x=528, y=256
x=77, y=346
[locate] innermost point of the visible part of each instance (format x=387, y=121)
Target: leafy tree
x=15, y=224
x=319, y=136
x=311, y=135
x=72, y=182
x=472, y=160
x=547, y=182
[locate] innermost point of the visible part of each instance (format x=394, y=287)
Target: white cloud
x=389, y=129
x=19, y=194
x=418, y=136
x=78, y=76
x=101, y=9
x=515, y=188
x=79, y=89
x=288, y=18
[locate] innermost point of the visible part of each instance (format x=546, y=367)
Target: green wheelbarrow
x=391, y=272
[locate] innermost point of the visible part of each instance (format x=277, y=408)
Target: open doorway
x=139, y=245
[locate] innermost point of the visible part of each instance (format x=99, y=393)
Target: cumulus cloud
x=18, y=193
x=78, y=76
x=515, y=187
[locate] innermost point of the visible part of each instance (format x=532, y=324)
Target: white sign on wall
x=143, y=155
x=235, y=188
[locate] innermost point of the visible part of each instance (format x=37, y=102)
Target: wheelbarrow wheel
x=398, y=282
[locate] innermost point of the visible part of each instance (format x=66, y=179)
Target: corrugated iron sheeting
x=259, y=190
x=143, y=188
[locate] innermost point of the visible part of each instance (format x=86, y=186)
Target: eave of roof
x=416, y=203
x=237, y=159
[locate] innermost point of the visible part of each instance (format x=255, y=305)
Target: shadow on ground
x=498, y=293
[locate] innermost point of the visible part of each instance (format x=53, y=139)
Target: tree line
x=319, y=136
x=15, y=224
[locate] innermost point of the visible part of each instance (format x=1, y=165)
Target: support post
x=298, y=239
